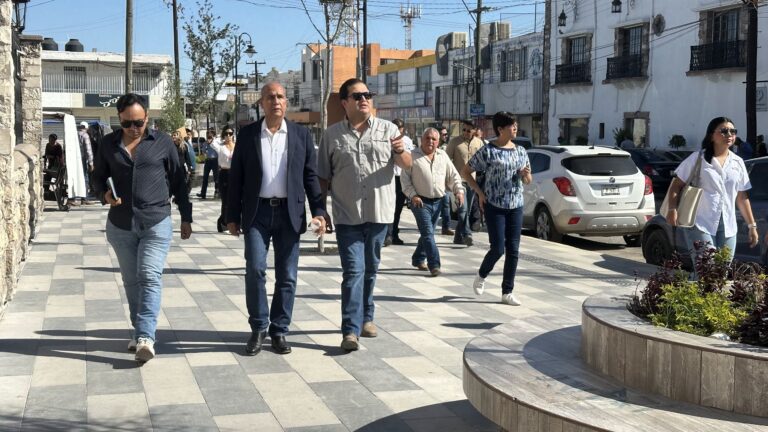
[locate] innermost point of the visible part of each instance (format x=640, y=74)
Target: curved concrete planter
x=681, y=366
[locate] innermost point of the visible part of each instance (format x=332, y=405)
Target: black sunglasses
x=126, y=124
x=467, y=130
x=228, y=133
x=359, y=95
x=725, y=131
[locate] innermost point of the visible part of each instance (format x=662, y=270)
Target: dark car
x=656, y=165
x=659, y=239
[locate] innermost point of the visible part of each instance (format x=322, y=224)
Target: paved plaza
x=64, y=364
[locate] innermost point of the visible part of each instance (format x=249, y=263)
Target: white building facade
x=656, y=69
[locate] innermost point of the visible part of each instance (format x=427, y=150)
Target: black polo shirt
x=144, y=183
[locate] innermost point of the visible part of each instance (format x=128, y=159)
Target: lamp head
x=616, y=6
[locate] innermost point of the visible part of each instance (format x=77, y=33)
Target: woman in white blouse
x=225, y=151
x=725, y=181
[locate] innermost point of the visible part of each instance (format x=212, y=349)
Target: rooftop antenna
x=408, y=13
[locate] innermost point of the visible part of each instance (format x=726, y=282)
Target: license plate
x=610, y=190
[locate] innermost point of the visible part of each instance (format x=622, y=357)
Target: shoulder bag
x=688, y=198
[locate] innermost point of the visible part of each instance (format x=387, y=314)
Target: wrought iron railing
x=628, y=66
x=573, y=73
x=718, y=55
x=105, y=84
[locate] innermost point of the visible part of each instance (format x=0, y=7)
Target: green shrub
x=677, y=141
x=685, y=308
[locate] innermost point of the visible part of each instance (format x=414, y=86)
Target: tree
x=329, y=36
x=211, y=52
x=173, y=109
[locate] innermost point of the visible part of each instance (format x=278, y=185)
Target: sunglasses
x=126, y=124
x=228, y=134
x=725, y=131
x=360, y=95
x=467, y=130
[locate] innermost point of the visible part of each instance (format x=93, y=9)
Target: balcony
x=718, y=55
x=629, y=66
x=573, y=73
x=104, y=84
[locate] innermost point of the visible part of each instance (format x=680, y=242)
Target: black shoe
x=220, y=226
x=397, y=241
x=255, y=342
x=280, y=345
x=387, y=241
x=458, y=240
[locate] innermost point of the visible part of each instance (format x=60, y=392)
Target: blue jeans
x=445, y=211
x=464, y=226
x=360, y=253
x=426, y=220
x=141, y=255
x=693, y=234
x=275, y=224
x=504, y=234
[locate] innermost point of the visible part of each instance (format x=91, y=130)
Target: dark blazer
x=245, y=177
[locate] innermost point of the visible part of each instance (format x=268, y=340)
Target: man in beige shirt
x=460, y=150
x=424, y=184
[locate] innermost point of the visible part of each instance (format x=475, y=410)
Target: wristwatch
x=752, y=225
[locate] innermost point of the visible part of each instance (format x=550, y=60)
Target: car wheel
x=632, y=240
x=545, y=226
x=656, y=248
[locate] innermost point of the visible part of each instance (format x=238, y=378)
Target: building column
x=33, y=142
x=7, y=144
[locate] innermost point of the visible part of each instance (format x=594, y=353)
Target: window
x=503, y=76
x=539, y=162
x=513, y=64
x=316, y=65
x=574, y=131
x=391, y=83
x=75, y=78
x=463, y=69
x=723, y=26
x=303, y=72
x=632, y=43
x=424, y=78
x=617, y=165
x=577, y=50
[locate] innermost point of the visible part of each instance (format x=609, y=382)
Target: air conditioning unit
x=499, y=31
x=444, y=44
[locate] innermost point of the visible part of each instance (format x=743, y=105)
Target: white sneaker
x=479, y=284
x=145, y=349
x=510, y=299
x=132, y=345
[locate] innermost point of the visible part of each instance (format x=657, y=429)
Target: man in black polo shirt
x=145, y=169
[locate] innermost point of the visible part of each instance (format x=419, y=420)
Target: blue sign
x=476, y=110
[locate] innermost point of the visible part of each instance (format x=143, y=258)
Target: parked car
x=660, y=239
x=525, y=142
x=586, y=190
x=657, y=166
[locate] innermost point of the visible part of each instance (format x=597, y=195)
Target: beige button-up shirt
x=460, y=151
x=430, y=178
x=360, y=170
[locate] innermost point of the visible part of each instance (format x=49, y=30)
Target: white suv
x=592, y=191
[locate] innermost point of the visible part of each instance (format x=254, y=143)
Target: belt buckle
x=274, y=202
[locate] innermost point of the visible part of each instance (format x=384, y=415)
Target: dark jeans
x=504, y=234
x=271, y=223
x=211, y=165
x=426, y=220
x=360, y=253
x=223, y=188
x=464, y=225
x=393, y=230
x=445, y=211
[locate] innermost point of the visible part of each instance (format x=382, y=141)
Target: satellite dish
x=659, y=24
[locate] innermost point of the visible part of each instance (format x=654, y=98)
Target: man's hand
x=234, y=229
x=460, y=199
x=90, y=167
x=317, y=225
x=671, y=217
x=111, y=200
x=186, y=230
x=417, y=202
x=397, y=144
x=328, y=223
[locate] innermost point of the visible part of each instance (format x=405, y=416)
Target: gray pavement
x=63, y=363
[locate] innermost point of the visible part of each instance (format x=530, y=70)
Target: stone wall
x=21, y=202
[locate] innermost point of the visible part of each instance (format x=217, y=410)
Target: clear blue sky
x=275, y=25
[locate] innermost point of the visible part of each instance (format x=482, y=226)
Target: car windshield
x=600, y=165
x=759, y=179
x=656, y=157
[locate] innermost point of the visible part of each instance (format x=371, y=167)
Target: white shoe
x=132, y=345
x=510, y=299
x=145, y=349
x=479, y=284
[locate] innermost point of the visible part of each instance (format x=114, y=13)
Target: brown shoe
x=422, y=266
x=448, y=231
x=369, y=330
x=349, y=343
x=435, y=272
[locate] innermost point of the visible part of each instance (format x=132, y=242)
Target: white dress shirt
x=274, y=162
x=720, y=186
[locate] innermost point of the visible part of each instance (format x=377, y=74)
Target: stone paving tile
x=63, y=338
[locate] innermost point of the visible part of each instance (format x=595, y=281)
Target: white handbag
x=688, y=199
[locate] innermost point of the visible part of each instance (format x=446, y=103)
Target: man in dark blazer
x=273, y=170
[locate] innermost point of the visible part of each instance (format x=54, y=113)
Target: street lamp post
x=256, y=64
x=249, y=51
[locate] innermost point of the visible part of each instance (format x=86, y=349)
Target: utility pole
x=256, y=64
x=751, y=72
x=128, y=46
x=478, y=21
x=359, y=64
x=364, y=64
x=176, y=45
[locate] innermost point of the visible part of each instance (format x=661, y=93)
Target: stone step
x=528, y=375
